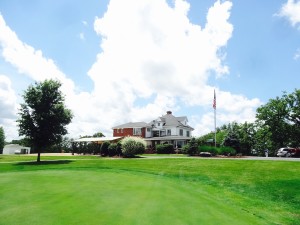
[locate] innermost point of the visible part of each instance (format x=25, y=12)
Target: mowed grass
x=94, y=190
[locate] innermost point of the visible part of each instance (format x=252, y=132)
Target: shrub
x=114, y=149
x=164, y=149
x=185, y=149
x=211, y=149
x=104, y=148
x=226, y=150
x=191, y=148
x=132, y=146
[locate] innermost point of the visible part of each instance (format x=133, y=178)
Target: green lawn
x=72, y=190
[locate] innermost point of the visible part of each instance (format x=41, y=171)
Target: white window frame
x=180, y=132
x=137, y=131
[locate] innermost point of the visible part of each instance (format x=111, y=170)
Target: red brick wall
x=127, y=132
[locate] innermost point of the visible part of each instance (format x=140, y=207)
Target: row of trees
x=277, y=125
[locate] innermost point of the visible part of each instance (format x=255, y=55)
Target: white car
x=284, y=152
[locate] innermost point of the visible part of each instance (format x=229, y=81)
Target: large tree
x=2, y=139
x=43, y=116
x=281, y=117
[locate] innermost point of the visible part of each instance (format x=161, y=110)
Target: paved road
x=232, y=158
x=270, y=158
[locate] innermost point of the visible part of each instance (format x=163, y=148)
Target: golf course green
x=94, y=190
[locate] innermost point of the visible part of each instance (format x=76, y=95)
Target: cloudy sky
x=130, y=61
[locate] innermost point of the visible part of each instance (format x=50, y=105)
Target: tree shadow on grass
x=134, y=157
x=46, y=162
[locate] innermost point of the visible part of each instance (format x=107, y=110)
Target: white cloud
x=8, y=109
x=7, y=99
x=291, y=10
x=152, y=48
x=150, y=53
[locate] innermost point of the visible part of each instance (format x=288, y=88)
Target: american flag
x=214, y=102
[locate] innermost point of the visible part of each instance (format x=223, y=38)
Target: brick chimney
x=169, y=112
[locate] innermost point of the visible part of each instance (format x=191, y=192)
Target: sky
x=131, y=61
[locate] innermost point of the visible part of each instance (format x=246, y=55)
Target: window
x=162, y=133
x=158, y=124
x=181, y=132
x=148, y=129
x=137, y=131
x=169, y=132
x=187, y=133
x=155, y=133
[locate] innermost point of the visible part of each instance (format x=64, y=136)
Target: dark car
x=295, y=152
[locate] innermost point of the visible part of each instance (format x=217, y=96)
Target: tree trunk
x=38, y=157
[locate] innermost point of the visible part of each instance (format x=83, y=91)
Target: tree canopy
x=280, y=117
x=43, y=115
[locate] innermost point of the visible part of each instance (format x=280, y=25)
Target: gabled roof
x=132, y=125
x=182, y=118
x=170, y=121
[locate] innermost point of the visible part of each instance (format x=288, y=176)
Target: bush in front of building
x=104, y=148
x=191, y=148
x=164, y=149
x=132, y=146
x=211, y=149
x=114, y=149
x=226, y=150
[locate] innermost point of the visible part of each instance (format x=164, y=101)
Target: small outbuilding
x=15, y=149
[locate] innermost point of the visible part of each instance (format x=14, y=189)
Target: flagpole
x=215, y=116
x=215, y=127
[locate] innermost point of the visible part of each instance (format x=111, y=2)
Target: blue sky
x=129, y=61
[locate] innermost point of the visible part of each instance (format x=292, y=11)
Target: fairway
x=149, y=191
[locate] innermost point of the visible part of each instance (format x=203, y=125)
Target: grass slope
x=149, y=191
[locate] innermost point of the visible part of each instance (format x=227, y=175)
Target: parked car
x=205, y=154
x=288, y=152
x=295, y=152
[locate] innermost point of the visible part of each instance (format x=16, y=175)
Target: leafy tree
x=99, y=134
x=232, y=137
x=220, y=135
x=293, y=104
x=246, y=133
x=263, y=139
x=273, y=115
x=43, y=116
x=192, y=148
x=279, y=121
x=2, y=139
x=64, y=145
